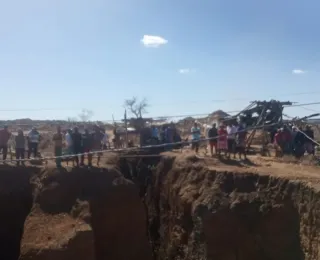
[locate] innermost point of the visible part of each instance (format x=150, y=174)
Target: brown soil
x=177, y=206
x=206, y=209
x=73, y=214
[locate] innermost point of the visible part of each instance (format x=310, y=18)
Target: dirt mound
x=56, y=237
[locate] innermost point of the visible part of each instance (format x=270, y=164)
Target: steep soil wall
x=115, y=211
x=80, y=214
x=195, y=213
x=170, y=209
x=15, y=205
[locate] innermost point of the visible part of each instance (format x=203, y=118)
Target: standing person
x=309, y=144
x=196, y=135
x=86, y=147
x=299, y=144
x=97, y=142
x=69, y=145
x=222, y=140
x=57, y=140
x=33, y=142
x=241, y=141
x=232, y=130
x=278, y=142
x=105, y=141
x=155, y=134
x=287, y=140
x=169, y=134
x=20, y=146
x=116, y=138
x=212, y=134
x=76, y=144
x=163, y=135
x=293, y=134
x=4, y=138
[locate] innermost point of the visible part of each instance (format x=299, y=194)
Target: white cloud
x=298, y=71
x=186, y=71
x=153, y=41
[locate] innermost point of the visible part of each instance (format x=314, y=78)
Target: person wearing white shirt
x=232, y=129
x=69, y=142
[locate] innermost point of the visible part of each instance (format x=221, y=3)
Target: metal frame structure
x=265, y=113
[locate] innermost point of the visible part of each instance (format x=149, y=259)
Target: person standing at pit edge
x=33, y=142
x=77, y=144
x=213, y=134
x=4, y=138
x=97, y=138
x=20, y=147
x=87, y=140
x=196, y=135
x=57, y=140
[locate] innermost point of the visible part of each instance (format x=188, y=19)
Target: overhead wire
x=166, y=116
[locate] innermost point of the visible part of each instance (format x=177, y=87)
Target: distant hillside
x=314, y=120
x=218, y=114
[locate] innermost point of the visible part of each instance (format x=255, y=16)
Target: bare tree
x=85, y=115
x=136, y=107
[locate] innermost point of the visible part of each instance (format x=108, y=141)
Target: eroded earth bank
x=156, y=208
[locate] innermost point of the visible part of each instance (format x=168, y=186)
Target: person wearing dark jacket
x=298, y=144
x=77, y=144
x=213, y=133
x=87, y=140
x=20, y=147
x=97, y=138
x=309, y=136
x=57, y=139
x=4, y=138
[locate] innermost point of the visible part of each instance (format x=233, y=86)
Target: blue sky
x=218, y=54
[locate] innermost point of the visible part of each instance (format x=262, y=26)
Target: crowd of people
x=72, y=140
x=292, y=140
x=80, y=143
x=166, y=134
x=228, y=138
x=32, y=140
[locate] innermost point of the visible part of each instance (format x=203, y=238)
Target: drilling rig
x=267, y=115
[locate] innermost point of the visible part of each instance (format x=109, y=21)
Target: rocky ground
x=174, y=206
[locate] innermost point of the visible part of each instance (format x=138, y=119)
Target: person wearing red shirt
x=222, y=140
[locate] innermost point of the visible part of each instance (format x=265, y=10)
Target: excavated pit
x=197, y=213
x=15, y=202
x=163, y=209
x=78, y=214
